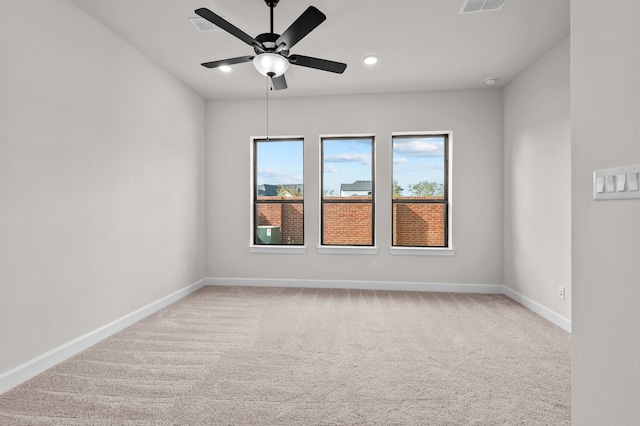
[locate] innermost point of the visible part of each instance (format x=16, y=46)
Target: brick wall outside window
x=347, y=223
x=418, y=224
x=415, y=224
x=288, y=216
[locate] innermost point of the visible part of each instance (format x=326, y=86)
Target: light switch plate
x=617, y=183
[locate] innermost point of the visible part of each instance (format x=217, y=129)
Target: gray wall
x=537, y=181
x=101, y=179
x=605, y=110
x=475, y=117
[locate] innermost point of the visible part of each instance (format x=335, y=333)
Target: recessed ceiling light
x=491, y=81
x=370, y=60
x=225, y=68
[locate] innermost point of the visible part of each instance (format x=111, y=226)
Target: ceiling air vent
x=204, y=25
x=471, y=6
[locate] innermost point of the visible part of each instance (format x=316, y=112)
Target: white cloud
x=348, y=158
x=399, y=160
x=275, y=176
x=419, y=148
x=330, y=168
x=271, y=172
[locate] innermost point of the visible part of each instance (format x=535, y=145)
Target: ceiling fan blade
x=230, y=61
x=228, y=27
x=302, y=26
x=317, y=63
x=279, y=83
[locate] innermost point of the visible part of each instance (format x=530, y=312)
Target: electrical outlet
x=184, y=270
x=561, y=292
x=374, y=264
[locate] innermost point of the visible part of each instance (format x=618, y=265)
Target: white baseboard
x=29, y=369
x=358, y=285
x=539, y=309
x=533, y=306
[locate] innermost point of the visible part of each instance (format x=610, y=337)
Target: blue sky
x=280, y=162
x=346, y=160
x=418, y=159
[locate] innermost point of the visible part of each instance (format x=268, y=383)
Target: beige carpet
x=283, y=356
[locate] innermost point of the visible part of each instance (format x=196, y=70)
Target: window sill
x=347, y=250
x=278, y=249
x=422, y=251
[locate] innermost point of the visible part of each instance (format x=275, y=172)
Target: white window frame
x=262, y=248
x=431, y=251
x=348, y=250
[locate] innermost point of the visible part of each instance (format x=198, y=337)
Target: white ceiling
x=423, y=45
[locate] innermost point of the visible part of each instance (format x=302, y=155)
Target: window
x=278, y=195
x=420, y=190
x=348, y=191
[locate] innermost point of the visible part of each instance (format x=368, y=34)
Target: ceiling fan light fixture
x=271, y=64
x=224, y=68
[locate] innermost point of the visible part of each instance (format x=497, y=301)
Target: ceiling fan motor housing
x=268, y=41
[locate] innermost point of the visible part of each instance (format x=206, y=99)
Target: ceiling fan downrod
x=271, y=4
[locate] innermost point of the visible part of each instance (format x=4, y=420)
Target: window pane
x=419, y=224
x=420, y=191
x=347, y=191
x=347, y=224
x=280, y=223
x=347, y=167
x=279, y=192
x=418, y=166
x=279, y=166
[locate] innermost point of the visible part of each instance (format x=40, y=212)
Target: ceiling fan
x=272, y=56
